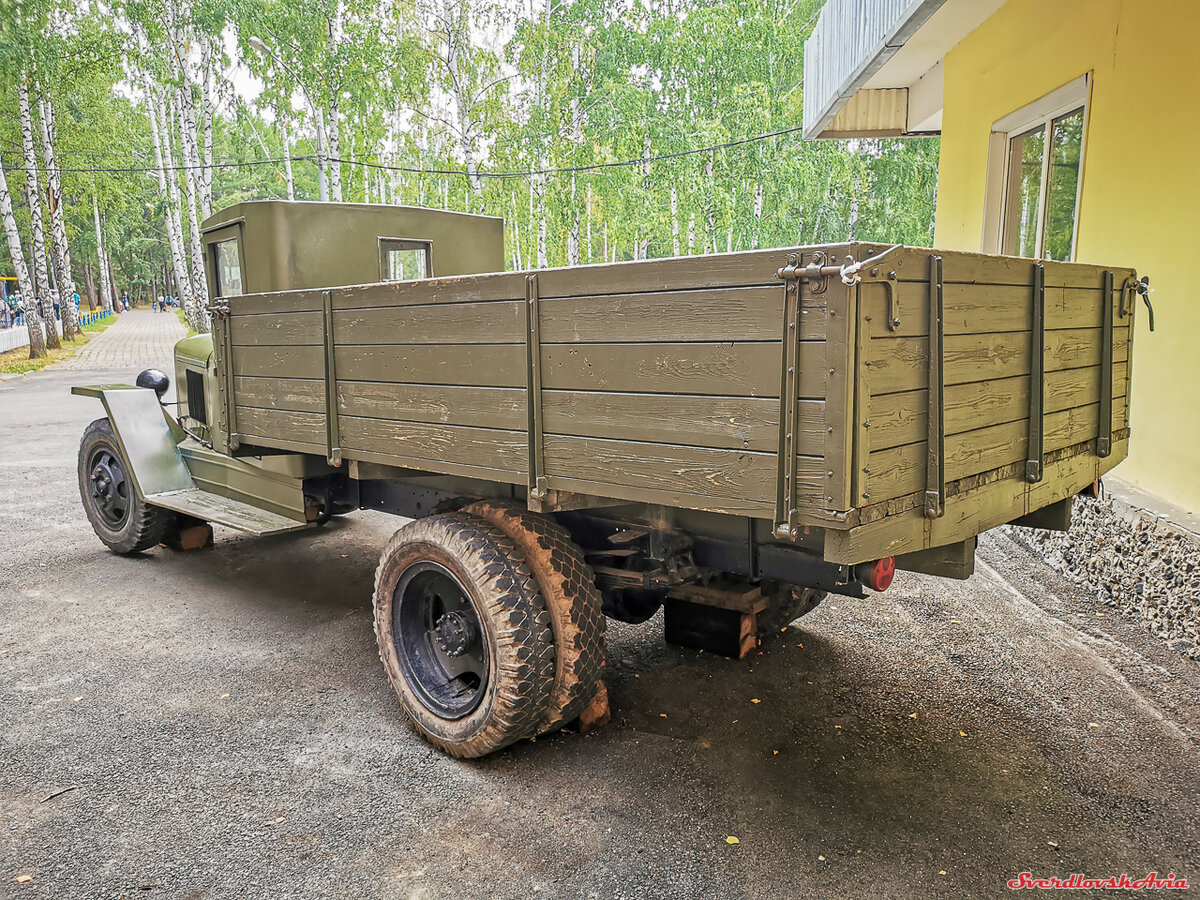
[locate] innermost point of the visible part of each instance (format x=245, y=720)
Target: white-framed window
x=401, y=259
x=1035, y=171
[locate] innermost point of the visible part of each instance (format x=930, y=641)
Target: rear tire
x=123, y=521
x=569, y=588
x=463, y=634
x=788, y=603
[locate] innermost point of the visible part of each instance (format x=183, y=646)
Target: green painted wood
x=480, y=365
x=271, y=304
x=713, y=474
x=899, y=471
x=277, y=329
x=460, y=289
x=739, y=369
x=978, y=308
x=431, y=444
x=898, y=364
x=897, y=419
x=724, y=314
x=300, y=394
x=306, y=427
x=484, y=407
x=279, y=362
x=735, y=423
x=912, y=265
x=497, y=322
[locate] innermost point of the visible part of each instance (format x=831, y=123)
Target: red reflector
x=879, y=574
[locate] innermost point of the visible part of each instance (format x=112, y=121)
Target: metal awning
x=873, y=68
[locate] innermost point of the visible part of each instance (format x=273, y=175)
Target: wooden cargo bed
x=766, y=384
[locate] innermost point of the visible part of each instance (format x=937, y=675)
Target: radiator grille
x=195, y=397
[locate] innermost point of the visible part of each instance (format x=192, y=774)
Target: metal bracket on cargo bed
x=1034, y=456
x=538, y=488
x=935, y=436
x=787, y=514
x=1104, y=438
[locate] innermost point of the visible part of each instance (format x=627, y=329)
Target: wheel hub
x=108, y=489
x=455, y=633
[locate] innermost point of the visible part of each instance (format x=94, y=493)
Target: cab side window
x=227, y=265
x=403, y=260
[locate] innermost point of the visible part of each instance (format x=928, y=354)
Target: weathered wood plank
x=279, y=362
x=898, y=364
x=482, y=407
x=714, y=474
x=305, y=395
x=713, y=271
x=724, y=314
x=479, y=365
x=968, y=513
x=277, y=329
x=498, y=322
x=741, y=369
x=735, y=423
x=455, y=289
x=977, y=308
x=431, y=443
x=898, y=471
x=306, y=427
x=912, y=264
x=272, y=304
x=897, y=419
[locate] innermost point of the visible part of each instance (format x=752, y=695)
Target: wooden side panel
x=985, y=367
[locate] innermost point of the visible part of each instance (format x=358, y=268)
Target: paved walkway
x=139, y=339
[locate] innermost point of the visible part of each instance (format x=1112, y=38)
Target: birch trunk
x=674, y=222
x=335, y=142
x=37, y=342
x=758, y=211
x=322, y=155
x=287, y=159
x=710, y=236
x=199, y=285
x=167, y=185
x=573, y=235
x=41, y=277
x=102, y=263
x=58, y=225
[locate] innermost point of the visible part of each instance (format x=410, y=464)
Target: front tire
x=463, y=634
x=123, y=521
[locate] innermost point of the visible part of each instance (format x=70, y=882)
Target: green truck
x=727, y=438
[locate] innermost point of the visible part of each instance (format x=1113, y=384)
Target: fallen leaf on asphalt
x=1052, y=844
x=732, y=840
x=962, y=734
x=76, y=699
x=1093, y=725
x=913, y=716
x=821, y=858
x=345, y=555
x=774, y=752
x=755, y=700
x=943, y=872
x=783, y=629
x=280, y=819
x=662, y=715
x=23, y=879
x=224, y=696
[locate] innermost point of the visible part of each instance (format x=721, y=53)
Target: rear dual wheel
x=489, y=626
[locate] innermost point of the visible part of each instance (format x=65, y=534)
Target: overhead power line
x=414, y=170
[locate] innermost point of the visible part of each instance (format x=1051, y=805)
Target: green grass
x=191, y=332
x=16, y=362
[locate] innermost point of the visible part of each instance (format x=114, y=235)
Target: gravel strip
x=1140, y=564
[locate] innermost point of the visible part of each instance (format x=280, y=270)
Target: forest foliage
x=598, y=129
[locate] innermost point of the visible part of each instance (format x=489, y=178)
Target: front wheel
x=121, y=519
x=464, y=634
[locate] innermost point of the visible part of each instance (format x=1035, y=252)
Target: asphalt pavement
x=217, y=724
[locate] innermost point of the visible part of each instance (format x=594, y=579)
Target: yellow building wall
x=1140, y=199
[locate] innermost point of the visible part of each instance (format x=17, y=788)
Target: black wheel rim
x=439, y=641
x=109, y=487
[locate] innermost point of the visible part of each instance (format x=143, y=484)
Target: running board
x=220, y=510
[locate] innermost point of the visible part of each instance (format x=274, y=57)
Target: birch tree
x=37, y=343
x=63, y=276
x=41, y=276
